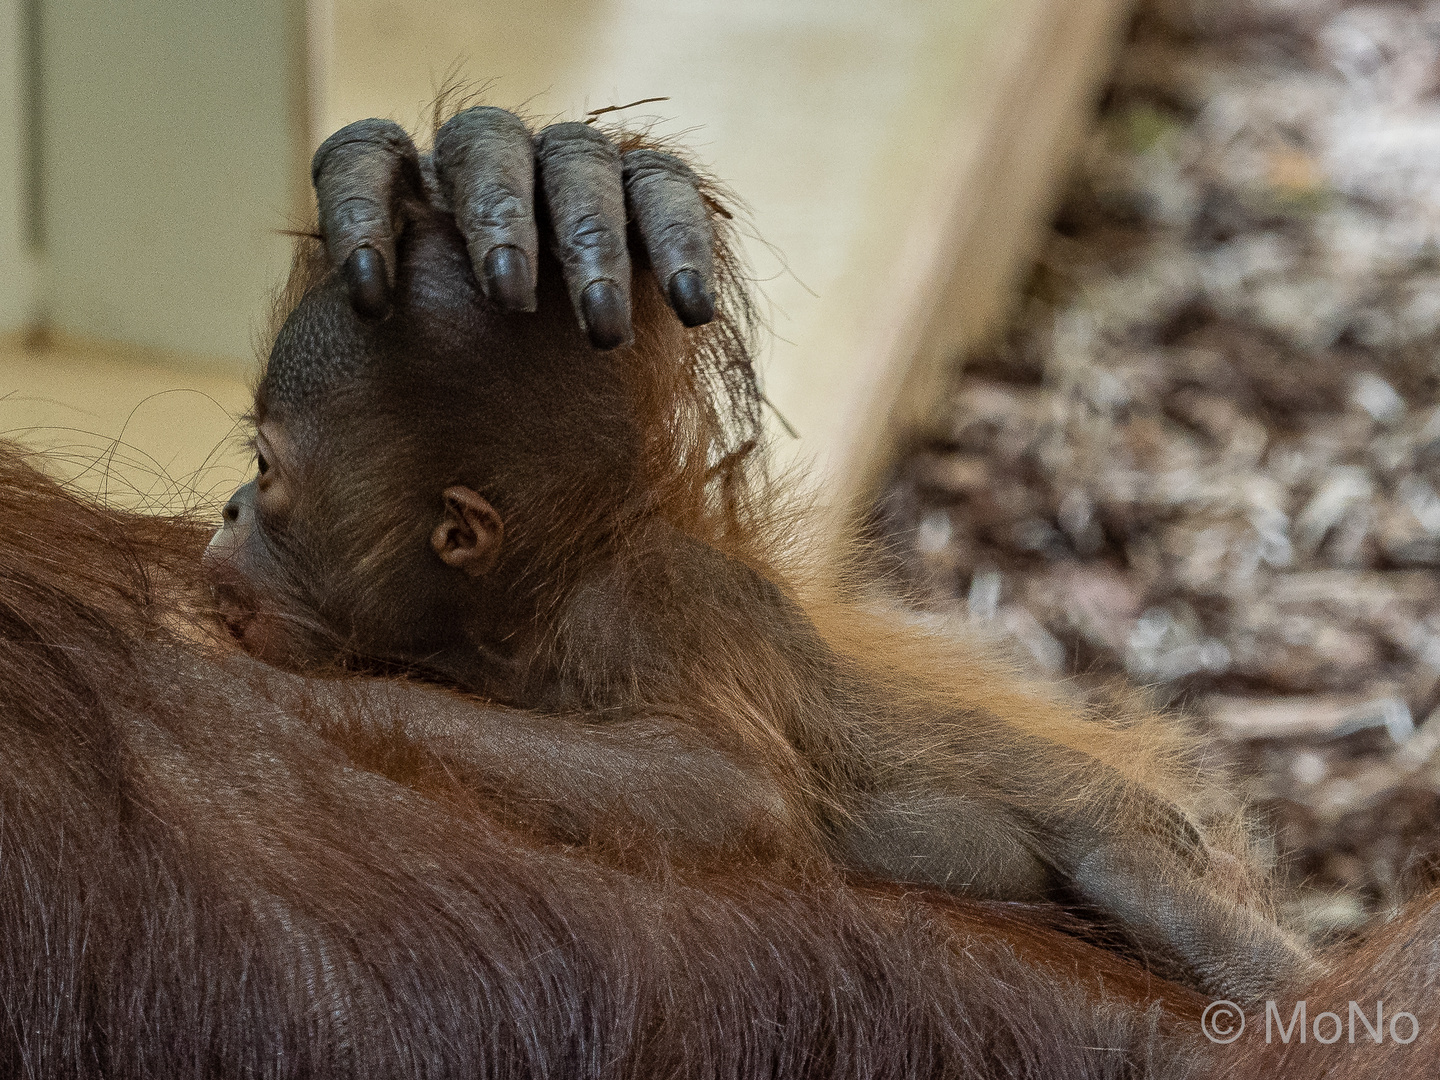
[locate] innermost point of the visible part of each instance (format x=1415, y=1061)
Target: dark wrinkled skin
x=483, y=171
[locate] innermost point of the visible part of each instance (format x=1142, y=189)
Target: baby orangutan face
x=236, y=558
x=268, y=521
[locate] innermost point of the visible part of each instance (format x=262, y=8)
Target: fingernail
x=607, y=315
x=365, y=278
x=690, y=299
x=506, y=279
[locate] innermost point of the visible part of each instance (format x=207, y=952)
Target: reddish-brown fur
x=648, y=606
x=199, y=878
x=213, y=867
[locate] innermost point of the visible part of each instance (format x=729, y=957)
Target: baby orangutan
x=458, y=482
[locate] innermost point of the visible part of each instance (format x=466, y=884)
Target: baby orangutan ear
x=470, y=533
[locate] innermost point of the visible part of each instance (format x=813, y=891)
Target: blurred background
x=152, y=152
x=1203, y=456
x=1113, y=322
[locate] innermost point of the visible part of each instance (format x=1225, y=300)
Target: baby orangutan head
x=414, y=474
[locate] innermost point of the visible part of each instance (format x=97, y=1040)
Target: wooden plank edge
x=976, y=231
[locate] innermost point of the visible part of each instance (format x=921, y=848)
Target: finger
x=361, y=173
x=664, y=198
x=581, y=177
x=486, y=171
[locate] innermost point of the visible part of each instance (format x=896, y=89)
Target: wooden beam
x=172, y=160
x=974, y=232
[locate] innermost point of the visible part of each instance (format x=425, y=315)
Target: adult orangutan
x=210, y=867
x=574, y=523
x=213, y=867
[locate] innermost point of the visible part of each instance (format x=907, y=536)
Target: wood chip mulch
x=1206, y=457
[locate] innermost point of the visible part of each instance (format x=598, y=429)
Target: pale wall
x=174, y=156
x=16, y=269
x=170, y=161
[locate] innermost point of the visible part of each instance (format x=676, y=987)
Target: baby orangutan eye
x=264, y=456
x=273, y=480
